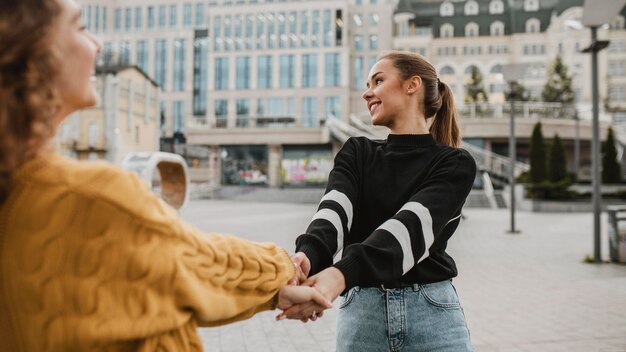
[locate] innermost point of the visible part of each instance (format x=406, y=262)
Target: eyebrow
x=367, y=84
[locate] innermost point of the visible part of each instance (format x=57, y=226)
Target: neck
x=409, y=125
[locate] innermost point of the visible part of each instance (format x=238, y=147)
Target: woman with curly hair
x=90, y=259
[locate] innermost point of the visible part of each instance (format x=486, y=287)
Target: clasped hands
x=306, y=297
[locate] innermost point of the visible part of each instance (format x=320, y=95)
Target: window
x=315, y=18
x=374, y=19
x=333, y=107
x=496, y=7
x=179, y=116
x=97, y=19
x=471, y=29
x=469, y=50
x=446, y=9
x=160, y=62
x=221, y=73
x=373, y=42
x=496, y=29
x=304, y=29
x=328, y=34
x=358, y=19
x=138, y=18
x=309, y=70
x=287, y=71
x=497, y=68
x=105, y=11
x=217, y=33
x=617, y=68
x=293, y=29
x=118, y=20
x=200, y=22
x=228, y=28
x=124, y=53
x=249, y=31
x=532, y=25
x=446, y=70
x=358, y=42
x=260, y=27
x=200, y=75
x=309, y=112
x=221, y=112
x=471, y=8
x=446, y=31
x=162, y=16
x=531, y=5
x=150, y=17
x=128, y=19
x=358, y=73
x=282, y=30
x=187, y=15
x=271, y=27
x=243, y=112
x=276, y=107
x=534, y=49
x=264, y=72
x=173, y=16
x=179, y=65
x=243, y=73
x=332, y=70
x=142, y=55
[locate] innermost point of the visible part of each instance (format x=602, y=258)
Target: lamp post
x=511, y=74
x=595, y=16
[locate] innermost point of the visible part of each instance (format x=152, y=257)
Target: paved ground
x=525, y=292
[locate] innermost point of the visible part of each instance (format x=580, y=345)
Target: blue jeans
x=421, y=318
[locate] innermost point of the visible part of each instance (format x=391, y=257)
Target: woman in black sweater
x=387, y=215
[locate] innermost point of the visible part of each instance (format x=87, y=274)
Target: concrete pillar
x=215, y=165
x=274, y=165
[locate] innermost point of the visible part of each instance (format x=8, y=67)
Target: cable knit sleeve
x=215, y=278
x=115, y=263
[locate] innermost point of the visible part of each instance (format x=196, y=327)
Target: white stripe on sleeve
x=400, y=232
x=427, y=224
x=343, y=201
x=333, y=218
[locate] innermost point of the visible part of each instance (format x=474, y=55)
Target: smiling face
x=77, y=50
x=387, y=95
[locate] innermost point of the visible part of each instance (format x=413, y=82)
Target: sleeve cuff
x=350, y=267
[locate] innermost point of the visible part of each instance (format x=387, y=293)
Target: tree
x=558, y=87
x=557, y=166
x=611, y=169
x=520, y=92
x=537, y=151
x=474, y=89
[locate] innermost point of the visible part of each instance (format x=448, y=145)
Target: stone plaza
x=530, y=291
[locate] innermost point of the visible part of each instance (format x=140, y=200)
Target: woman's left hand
x=330, y=282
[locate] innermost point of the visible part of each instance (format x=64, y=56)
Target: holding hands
x=313, y=295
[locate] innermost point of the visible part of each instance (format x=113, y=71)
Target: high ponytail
x=445, y=126
x=438, y=98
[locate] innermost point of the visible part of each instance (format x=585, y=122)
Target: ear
x=413, y=84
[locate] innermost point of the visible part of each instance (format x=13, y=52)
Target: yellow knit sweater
x=91, y=260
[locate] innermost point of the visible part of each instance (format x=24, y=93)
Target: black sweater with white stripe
x=388, y=211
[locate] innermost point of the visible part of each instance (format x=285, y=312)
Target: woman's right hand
x=291, y=295
x=303, y=266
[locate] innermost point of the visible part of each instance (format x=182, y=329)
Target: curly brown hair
x=28, y=98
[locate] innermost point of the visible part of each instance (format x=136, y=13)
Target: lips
x=373, y=105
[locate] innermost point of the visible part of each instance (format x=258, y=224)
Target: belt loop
x=416, y=287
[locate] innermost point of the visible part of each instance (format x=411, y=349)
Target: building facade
x=126, y=118
x=247, y=85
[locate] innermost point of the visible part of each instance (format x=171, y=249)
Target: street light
x=595, y=16
x=511, y=74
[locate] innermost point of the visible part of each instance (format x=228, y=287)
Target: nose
x=97, y=42
x=367, y=94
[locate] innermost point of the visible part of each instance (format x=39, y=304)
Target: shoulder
x=103, y=183
x=456, y=159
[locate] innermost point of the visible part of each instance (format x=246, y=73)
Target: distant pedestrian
x=387, y=215
x=90, y=259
